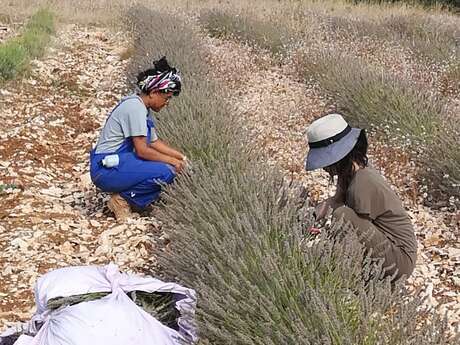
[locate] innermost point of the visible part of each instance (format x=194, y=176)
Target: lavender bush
x=371, y=96
x=238, y=230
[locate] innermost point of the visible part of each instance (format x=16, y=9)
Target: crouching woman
x=363, y=198
x=129, y=159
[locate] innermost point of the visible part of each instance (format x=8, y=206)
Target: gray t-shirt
x=370, y=195
x=128, y=119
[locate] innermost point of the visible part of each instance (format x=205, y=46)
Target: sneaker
x=119, y=207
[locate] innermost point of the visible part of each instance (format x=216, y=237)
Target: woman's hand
x=179, y=165
x=322, y=208
x=333, y=202
x=164, y=148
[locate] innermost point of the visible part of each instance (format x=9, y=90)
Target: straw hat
x=330, y=139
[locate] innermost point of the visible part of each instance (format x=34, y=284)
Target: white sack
x=114, y=319
x=24, y=340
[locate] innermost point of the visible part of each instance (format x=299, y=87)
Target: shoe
x=119, y=207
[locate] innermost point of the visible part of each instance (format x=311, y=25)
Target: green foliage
x=238, y=230
x=13, y=58
x=58, y=302
x=16, y=53
x=4, y=187
x=160, y=305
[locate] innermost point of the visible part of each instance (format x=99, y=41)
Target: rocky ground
x=50, y=214
x=276, y=111
x=6, y=30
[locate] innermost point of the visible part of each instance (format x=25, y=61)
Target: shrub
x=428, y=38
x=371, y=98
x=448, y=3
x=42, y=21
x=13, y=58
x=200, y=111
x=264, y=34
x=16, y=53
x=237, y=230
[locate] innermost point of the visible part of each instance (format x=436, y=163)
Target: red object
x=314, y=231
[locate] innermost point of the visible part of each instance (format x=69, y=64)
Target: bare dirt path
x=276, y=110
x=50, y=214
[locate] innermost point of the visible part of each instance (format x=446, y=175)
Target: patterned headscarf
x=167, y=81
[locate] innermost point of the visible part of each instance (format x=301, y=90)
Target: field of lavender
x=393, y=72
x=254, y=77
x=237, y=236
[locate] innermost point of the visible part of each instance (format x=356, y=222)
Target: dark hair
x=159, y=66
x=344, y=168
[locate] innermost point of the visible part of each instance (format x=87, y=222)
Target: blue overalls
x=136, y=180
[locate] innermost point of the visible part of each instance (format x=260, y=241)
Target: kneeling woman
x=129, y=159
x=363, y=197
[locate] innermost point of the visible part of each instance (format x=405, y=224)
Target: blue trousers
x=138, y=181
